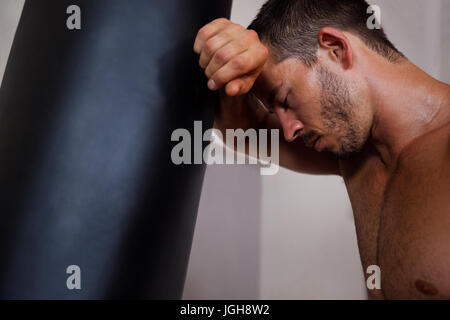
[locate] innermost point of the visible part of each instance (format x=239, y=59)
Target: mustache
x=308, y=136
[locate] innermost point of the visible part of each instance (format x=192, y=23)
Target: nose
x=292, y=127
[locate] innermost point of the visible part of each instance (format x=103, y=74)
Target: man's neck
x=407, y=103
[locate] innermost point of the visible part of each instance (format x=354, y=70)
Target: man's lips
x=311, y=142
x=317, y=145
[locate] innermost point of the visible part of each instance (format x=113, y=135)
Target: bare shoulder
x=414, y=235
x=432, y=148
x=425, y=163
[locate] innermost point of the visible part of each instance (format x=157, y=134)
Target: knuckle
x=235, y=28
x=223, y=55
x=221, y=21
x=239, y=62
x=252, y=34
x=203, y=32
x=210, y=46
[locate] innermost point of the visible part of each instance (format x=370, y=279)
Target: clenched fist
x=231, y=56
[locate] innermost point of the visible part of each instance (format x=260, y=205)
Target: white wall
x=445, y=42
x=417, y=29
x=9, y=17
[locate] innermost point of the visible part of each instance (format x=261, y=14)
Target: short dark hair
x=291, y=27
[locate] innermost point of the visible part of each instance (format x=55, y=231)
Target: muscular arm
x=233, y=57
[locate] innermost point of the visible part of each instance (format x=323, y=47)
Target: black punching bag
x=86, y=177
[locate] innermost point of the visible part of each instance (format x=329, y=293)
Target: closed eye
x=285, y=104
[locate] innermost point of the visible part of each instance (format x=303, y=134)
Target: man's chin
x=342, y=152
x=338, y=154
x=346, y=154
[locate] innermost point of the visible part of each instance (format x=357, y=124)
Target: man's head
x=314, y=80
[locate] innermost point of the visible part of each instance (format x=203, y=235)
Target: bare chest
x=402, y=218
x=366, y=186
x=366, y=180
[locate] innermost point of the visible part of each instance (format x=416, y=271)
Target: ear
x=337, y=45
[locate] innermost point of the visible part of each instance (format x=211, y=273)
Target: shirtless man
x=349, y=103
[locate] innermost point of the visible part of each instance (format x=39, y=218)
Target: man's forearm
x=238, y=113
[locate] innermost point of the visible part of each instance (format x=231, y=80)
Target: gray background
x=288, y=236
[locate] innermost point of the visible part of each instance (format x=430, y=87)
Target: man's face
x=320, y=106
